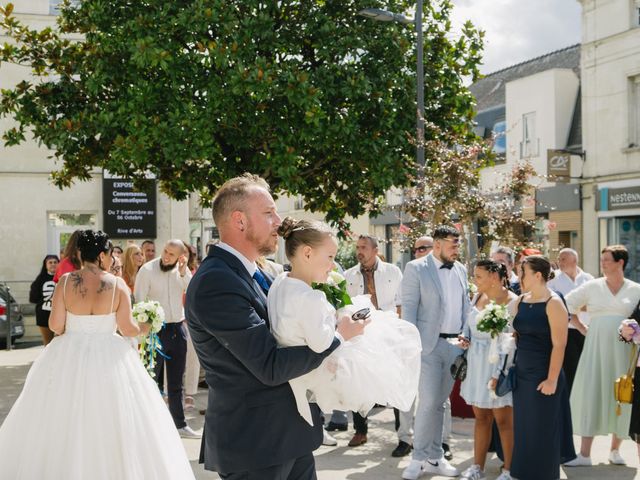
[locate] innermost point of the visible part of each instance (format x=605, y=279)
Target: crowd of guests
x=567, y=352
x=163, y=278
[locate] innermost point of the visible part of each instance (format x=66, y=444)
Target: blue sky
x=518, y=30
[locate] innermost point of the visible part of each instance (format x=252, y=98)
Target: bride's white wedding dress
x=89, y=410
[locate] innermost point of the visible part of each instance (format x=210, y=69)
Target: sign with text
x=621, y=198
x=558, y=165
x=127, y=212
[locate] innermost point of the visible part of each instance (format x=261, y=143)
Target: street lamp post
x=386, y=16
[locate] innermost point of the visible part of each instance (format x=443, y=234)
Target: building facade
x=531, y=111
x=611, y=126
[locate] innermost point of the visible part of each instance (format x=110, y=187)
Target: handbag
x=459, y=367
x=507, y=379
x=623, y=386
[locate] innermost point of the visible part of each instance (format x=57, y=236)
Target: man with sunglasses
x=422, y=246
x=435, y=300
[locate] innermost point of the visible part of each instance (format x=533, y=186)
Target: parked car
x=17, y=322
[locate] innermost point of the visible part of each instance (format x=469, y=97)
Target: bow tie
x=261, y=280
x=447, y=265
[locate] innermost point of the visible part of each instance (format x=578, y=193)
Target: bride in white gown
x=88, y=409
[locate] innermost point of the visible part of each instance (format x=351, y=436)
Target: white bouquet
x=493, y=319
x=150, y=312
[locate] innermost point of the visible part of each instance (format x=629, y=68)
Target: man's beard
x=167, y=268
x=265, y=247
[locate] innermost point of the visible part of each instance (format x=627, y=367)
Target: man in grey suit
x=435, y=300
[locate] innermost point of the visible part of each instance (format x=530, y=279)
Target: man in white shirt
x=568, y=278
x=165, y=279
x=382, y=281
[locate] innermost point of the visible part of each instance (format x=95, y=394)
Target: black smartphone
x=361, y=314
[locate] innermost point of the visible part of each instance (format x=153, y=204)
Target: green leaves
x=336, y=294
x=318, y=100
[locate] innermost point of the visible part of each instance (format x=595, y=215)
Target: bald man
x=165, y=279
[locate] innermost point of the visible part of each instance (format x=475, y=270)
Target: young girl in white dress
x=381, y=366
x=88, y=409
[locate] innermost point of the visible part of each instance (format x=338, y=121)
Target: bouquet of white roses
x=150, y=312
x=335, y=290
x=493, y=319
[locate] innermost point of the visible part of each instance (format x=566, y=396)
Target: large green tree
x=315, y=98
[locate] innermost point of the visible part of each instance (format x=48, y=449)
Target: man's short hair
x=618, y=252
x=373, y=241
x=508, y=252
x=148, y=241
x=570, y=251
x=445, y=231
x=232, y=195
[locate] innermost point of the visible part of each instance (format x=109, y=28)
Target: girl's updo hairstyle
x=495, y=267
x=539, y=264
x=297, y=233
x=91, y=244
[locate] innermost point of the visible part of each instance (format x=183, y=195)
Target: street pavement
x=371, y=461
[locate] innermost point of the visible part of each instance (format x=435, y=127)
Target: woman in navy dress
x=542, y=418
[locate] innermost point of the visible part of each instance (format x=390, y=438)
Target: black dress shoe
x=447, y=452
x=402, y=449
x=331, y=427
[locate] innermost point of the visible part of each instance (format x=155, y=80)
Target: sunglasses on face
x=422, y=248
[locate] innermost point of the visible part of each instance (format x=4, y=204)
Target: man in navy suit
x=252, y=427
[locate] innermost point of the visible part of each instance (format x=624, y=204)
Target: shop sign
x=558, y=165
x=623, y=198
x=128, y=213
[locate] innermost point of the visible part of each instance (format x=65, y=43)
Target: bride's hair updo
x=91, y=244
x=297, y=233
x=494, y=267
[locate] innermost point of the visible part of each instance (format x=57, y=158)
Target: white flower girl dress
x=381, y=366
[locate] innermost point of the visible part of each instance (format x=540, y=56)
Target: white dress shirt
x=452, y=292
x=562, y=283
x=248, y=264
x=167, y=288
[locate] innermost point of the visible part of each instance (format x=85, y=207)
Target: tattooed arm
x=58, y=315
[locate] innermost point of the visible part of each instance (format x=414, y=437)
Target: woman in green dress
x=608, y=300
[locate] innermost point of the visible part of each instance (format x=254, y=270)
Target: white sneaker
x=615, y=458
x=413, y=471
x=187, y=432
x=474, y=473
x=505, y=475
x=579, y=461
x=328, y=440
x=440, y=467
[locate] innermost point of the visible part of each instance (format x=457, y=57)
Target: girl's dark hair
x=43, y=270
x=539, y=264
x=71, y=249
x=91, y=244
x=297, y=233
x=495, y=267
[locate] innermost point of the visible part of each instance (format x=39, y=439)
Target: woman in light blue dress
x=491, y=279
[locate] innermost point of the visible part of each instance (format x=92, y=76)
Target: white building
x=37, y=217
x=611, y=126
x=530, y=109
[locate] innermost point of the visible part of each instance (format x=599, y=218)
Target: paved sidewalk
x=371, y=461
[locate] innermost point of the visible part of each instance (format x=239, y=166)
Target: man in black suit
x=252, y=427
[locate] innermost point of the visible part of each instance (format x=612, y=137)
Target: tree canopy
x=318, y=100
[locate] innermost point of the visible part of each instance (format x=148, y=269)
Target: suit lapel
x=236, y=265
x=433, y=272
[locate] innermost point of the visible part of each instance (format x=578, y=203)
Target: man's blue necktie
x=262, y=281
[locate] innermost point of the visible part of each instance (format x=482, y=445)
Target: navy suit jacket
x=252, y=420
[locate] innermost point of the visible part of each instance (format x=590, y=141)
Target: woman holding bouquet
x=482, y=371
x=381, y=366
x=88, y=409
x=542, y=419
